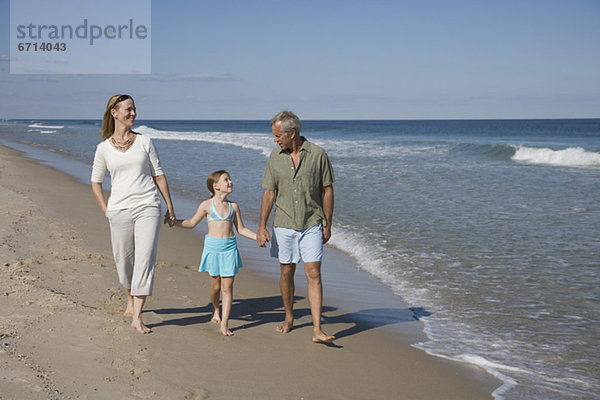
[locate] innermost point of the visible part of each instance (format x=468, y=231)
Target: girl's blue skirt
x=220, y=257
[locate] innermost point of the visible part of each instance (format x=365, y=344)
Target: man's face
x=284, y=140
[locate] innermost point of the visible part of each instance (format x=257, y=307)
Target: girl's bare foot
x=216, y=317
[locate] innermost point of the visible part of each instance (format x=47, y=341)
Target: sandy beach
x=63, y=335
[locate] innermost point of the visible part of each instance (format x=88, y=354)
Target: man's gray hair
x=289, y=121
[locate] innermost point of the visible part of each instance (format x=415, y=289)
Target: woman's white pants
x=134, y=236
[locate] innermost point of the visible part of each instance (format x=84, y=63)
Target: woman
x=133, y=208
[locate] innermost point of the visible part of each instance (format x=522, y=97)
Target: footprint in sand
x=197, y=394
x=119, y=363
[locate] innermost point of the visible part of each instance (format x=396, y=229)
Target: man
x=298, y=179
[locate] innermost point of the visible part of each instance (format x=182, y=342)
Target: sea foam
x=570, y=157
x=38, y=126
x=245, y=140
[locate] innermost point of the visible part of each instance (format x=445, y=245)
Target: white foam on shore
x=490, y=367
x=570, y=157
x=374, y=259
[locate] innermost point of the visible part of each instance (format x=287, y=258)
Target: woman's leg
x=147, y=226
x=227, y=289
x=215, y=293
x=122, y=240
x=136, y=318
x=129, y=308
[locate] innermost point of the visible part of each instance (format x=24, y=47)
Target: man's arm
x=266, y=205
x=328, y=210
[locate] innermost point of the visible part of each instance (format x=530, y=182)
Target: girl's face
x=224, y=184
x=124, y=113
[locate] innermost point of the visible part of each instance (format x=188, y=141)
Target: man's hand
x=262, y=237
x=326, y=234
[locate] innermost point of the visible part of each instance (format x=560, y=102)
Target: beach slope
x=63, y=335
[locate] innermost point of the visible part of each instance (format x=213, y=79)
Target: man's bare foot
x=321, y=337
x=285, y=327
x=216, y=317
x=140, y=327
x=225, y=331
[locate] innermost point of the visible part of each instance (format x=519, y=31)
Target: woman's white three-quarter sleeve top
x=131, y=173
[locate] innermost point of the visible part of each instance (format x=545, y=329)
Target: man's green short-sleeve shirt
x=298, y=191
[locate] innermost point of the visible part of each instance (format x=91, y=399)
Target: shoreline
x=341, y=278
x=63, y=332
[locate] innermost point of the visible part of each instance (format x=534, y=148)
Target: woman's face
x=124, y=113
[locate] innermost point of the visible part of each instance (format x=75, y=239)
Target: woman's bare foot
x=216, y=317
x=225, y=331
x=129, y=309
x=285, y=327
x=140, y=327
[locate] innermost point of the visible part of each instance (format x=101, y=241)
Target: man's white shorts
x=290, y=245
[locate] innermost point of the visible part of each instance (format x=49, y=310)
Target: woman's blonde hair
x=108, y=122
x=214, y=178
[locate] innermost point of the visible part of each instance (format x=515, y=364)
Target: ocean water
x=490, y=227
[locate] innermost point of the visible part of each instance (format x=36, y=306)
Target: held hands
x=170, y=219
x=262, y=237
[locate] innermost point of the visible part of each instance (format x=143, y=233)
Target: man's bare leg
x=315, y=298
x=287, y=287
x=136, y=319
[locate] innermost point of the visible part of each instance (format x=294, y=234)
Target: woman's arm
x=163, y=187
x=99, y=195
x=239, y=223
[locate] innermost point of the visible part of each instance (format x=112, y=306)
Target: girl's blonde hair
x=214, y=178
x=108, y=122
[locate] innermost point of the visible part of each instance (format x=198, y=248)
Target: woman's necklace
x=122, y=146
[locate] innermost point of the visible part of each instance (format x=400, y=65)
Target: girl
x=220, y=257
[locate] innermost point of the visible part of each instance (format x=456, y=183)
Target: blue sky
x=429, y=59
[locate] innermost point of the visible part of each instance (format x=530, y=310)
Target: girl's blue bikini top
x=214, y=215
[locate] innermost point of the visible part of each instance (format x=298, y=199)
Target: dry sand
x=63, y=336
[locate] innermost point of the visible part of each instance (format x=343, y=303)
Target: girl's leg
x=215, y=292
x=227, y=289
